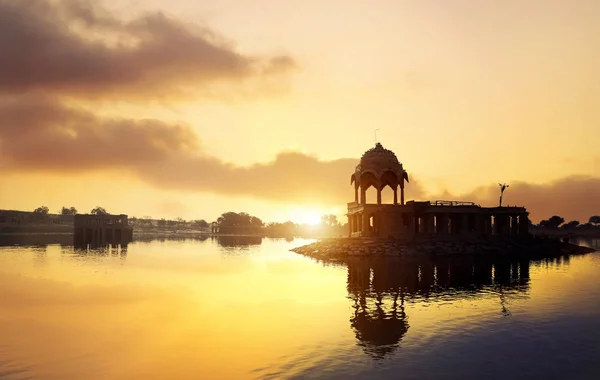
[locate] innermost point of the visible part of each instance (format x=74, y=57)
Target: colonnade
x=363, y=195
x=439, y=224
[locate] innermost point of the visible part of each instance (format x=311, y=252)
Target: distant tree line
x=556, y=221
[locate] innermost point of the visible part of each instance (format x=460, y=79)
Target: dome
x=379, y=167
x=379, y=159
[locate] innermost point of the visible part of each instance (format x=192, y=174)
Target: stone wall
x=364, y=247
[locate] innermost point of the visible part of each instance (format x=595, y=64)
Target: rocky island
x=400, y=228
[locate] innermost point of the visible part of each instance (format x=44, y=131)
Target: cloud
x=76, y=47
x=39, y=135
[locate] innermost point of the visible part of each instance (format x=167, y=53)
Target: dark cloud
x=76, y=47
x=38, y=134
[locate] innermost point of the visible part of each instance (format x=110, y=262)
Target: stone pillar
x=466, y=228
x=429, y=224
x=506, y=225
x=396, y=195
x=523, y=224
x=479, y=224
x=487, y=224
x=350, y=225
x=356, y=194
x=363, y=195
x=365, y=224
x=441, y=224
x=454, y=224
x=402, y=195
x=514, y=227
x=378, y=196
x=423, y=224
x=501, y=226
x=496, y=225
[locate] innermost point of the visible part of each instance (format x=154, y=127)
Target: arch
x=389, y=178
x=370, y=195
x=387, y=194
x=368, y=179
x=370, y=171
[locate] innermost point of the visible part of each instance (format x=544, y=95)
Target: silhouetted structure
x=380, y=288
x=98, y=230
x=379, y=167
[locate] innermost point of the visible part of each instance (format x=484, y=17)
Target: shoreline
x=530, y=247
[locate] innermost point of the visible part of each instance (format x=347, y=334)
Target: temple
x=379, y=167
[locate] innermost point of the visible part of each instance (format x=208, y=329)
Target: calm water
x=250, y=309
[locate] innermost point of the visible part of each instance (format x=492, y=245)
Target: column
x=442, y=224
x=423, y=224
x=356, y=194
x=402, y=194
x=350, y=225
x=378, y=196
x=365, y=225
x=523, y=224
x=429, y=225
x=487, y=221
x=465, y=227
x=479, y=224
x=396, y=195
x=455, y=220
x=514, y=226
x=363, y=195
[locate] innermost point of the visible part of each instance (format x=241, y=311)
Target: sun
x=307, y=216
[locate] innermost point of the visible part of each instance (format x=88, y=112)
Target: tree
x=99, y=211
x=571, y=224
x=553, y=222
x=233, y=222
x=202, y=224
x=595, y=220
x=42, y=211
x=503, y=187
x=162, y=223
x=68, y=211
x=329, y=220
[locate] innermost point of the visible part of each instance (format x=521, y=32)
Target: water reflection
x=238, y=241
x=380, y=288
x=36, y=240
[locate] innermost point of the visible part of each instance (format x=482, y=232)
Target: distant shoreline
x=62, y=229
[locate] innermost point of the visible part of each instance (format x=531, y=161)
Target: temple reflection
x=380, y=288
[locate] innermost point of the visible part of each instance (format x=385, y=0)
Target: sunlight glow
x=307, y=216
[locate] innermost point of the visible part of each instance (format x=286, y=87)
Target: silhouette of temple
x=380, y=291
x=379, y=167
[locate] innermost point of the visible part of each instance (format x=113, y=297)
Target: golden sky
x=193, y=108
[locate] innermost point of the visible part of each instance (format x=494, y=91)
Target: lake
x=247, y=308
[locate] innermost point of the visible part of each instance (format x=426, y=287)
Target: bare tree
x=503, y=187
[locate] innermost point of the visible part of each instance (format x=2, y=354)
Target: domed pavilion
x=379, y=167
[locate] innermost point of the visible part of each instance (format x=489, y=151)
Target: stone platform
x=527, y=247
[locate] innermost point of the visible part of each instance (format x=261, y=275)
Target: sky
x=194, y=108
